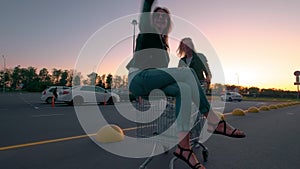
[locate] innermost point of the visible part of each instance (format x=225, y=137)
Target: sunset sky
x=256, y=42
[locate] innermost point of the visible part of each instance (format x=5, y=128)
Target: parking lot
x=36, y=135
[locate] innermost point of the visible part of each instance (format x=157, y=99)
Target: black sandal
x=180, y=156
x=229, y=135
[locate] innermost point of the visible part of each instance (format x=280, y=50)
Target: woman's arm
x=182, y=63
x=145, y=18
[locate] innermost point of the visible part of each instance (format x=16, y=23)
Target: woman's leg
x=183, y=110
x=149, y=80
x=188, y=76
x=183, y=104
x=222, y=127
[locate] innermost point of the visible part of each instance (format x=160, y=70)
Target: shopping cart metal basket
x=156, y=118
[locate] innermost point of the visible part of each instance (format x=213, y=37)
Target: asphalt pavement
x=272, y=140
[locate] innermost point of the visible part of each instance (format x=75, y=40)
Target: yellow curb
x=280, y=106
x=288, y=104
x=264, y=108
x=238, y=112
x=273, y=107
x=227, y=114
x=253, y=110
x=109, y=134
x=220, y=115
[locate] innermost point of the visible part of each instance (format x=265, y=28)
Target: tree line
x=257, y=92
x=31, y=80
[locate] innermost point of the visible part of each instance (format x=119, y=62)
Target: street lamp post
x=238, y=79
x=134, y=23
x=3, y=73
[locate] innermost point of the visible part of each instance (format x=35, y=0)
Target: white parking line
x=260, y=103
x=27, y=102
x=47, y=115
x=219, y=108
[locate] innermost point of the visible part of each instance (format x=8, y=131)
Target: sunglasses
x=160, y=14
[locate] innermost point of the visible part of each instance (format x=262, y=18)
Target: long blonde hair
x=185, y=42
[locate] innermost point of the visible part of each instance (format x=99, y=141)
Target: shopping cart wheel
x=205, y=155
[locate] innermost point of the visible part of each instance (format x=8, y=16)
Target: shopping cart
x=157, y=124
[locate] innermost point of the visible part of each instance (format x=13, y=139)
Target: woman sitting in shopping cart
x=148, y=70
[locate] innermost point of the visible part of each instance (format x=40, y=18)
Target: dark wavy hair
x=169, y=26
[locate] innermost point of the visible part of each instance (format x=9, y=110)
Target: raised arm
x=145, y=18
x=207, y=69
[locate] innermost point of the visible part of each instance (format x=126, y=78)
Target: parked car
x=125, y=94
x=47, y=94
x=231, y=96
x=88, y=94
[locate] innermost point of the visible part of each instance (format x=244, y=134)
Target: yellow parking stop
x=109, y=133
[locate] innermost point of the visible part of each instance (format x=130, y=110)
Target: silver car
x=88, y=94
x=231, y=96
